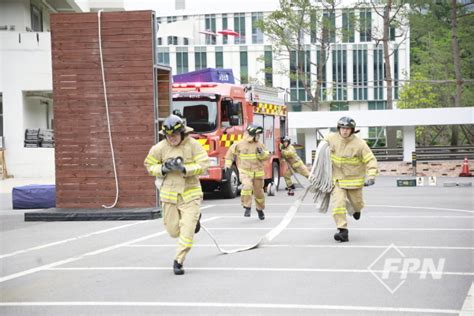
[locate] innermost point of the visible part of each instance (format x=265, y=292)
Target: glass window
x=182, y=65
x=359, y=73
x=323, y=94
x=36, y=19
x=339, y=74
x=200, y=114
x=268, y=66
x=313, y=29
x=200, y=58
x=378, y=74
x=257, y=34
x=239, y=27
x=225, y=38
x=297, y=90
x=348, y=20
x=244, y=69
x=210, y=27
x=392, y=33
x=365, y=24
x=329, y=26
x=339, y=106
x=219, y=58
x=172, y=40
x=163, y=55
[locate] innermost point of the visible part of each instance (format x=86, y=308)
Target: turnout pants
x=344, y=200
x=252, y=186
x=302, y=170
x=180, y=222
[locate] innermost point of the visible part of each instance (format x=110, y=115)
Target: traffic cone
x=465, y=169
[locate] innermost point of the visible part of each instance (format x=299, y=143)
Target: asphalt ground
x=411, y=253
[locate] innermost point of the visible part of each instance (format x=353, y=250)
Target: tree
x=287, y=28
x=442, y=52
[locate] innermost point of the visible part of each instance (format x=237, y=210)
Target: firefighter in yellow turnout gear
x=179, y=160
x=353, y=167
x=289, y=154
x=250, y=154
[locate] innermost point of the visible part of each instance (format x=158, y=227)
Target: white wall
x=26, y=66
x=15, y=12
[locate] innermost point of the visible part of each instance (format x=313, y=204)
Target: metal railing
x=426, y=153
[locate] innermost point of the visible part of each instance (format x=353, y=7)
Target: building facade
x=219, y=35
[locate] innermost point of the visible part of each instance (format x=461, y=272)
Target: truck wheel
x=230, y=188
x=276, y=175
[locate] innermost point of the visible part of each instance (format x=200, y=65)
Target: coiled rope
x=107, y=113
x=320, y=185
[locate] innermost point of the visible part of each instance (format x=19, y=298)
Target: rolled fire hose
x=320, y=184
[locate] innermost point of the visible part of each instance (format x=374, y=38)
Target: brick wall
x=424, y=168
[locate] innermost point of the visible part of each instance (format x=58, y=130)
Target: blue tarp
x=34, y=196
x=220, y=75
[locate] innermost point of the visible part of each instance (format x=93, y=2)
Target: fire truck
x=219, y=111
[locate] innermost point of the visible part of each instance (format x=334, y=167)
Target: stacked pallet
x=84, y=169
x=32, y=138
x=47, y=138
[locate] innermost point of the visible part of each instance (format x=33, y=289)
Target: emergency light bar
x=194, y=85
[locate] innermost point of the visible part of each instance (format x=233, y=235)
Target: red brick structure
x=84, y=169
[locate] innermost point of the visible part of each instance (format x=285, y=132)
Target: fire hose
x=321, y=185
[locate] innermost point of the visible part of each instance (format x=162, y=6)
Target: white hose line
x=107, y=113
x=290, y=214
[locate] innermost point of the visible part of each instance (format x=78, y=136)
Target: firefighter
x=353, y=167
x=250, y=154
x=289, y=154
x=179, y=159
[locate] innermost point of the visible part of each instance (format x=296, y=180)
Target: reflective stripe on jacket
x=175, y=182
x=290, y=155
x=249, y=161
x=352, y=161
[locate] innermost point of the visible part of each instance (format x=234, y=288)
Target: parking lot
x=410, y=253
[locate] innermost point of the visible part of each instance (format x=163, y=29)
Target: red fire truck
x=219, y=113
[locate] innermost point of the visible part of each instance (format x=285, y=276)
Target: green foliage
x=417, y=94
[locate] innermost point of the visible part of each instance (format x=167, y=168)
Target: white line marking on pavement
x=240, y=305
x=206, y=206
x=252, y=269
x=79, y=257
x=375, y=205
x=312, y=246
x=329, y=228
x=468, y=306
x=67, y=240
x=364, y=214
x=424, y=208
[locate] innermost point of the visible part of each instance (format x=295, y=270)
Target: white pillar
x=409, y=144
x=309, y=143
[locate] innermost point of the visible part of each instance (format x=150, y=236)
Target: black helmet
x=285, y=139
x=347, y=122
x=173, y=124
x=254, y=129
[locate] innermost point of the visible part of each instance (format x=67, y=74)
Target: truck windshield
x=200, y=114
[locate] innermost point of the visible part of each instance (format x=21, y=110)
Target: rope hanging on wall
x=107, y=113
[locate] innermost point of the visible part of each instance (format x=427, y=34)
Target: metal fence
x=426, y=153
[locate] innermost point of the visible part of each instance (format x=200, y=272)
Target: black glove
x=369, y=182
x=165, y=169
x=178, y=164
x=259, y=150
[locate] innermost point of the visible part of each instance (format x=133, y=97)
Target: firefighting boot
x=178, y=268
x=261, y=215
x=342, y=235
x=198, y=225
x=291, y=192
x=356, y=215
x=247, y=212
